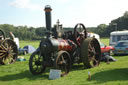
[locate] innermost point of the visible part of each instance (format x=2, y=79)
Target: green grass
x=105, y=41
x=115, y=73
x=33, y=43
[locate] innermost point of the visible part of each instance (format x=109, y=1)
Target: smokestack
x=48, y=17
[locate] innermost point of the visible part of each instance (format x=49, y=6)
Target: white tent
x=94, y=35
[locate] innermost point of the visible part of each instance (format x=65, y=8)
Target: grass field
x=115, y=73
x=105, y=41
x=33, y=43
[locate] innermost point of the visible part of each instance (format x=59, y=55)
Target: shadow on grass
x=77, y=67
x=111, y=75
x=27, y=74
x=120, y=55
x=22, y=75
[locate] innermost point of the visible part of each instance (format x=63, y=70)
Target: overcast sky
x=69, y=12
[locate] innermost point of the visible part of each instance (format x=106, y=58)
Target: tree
x=101, y=29
x=40, y=31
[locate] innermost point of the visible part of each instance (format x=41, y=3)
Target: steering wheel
x=79, y=35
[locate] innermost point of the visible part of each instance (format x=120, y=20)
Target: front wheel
x=35, y=63
x=63, y=62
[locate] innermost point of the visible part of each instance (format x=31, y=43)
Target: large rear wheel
x=90, y=52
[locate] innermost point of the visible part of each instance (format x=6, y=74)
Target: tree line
x=119, y=24
x=34, y=33
x=23, y=32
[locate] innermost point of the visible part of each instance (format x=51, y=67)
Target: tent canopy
x=29, y=49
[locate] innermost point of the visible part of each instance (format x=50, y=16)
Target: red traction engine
x=61, y=49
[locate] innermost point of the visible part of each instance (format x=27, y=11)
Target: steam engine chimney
x=48, y=19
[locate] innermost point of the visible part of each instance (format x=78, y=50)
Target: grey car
x=121, y=47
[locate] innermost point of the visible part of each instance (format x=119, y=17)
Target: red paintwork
x=64, y=45
x=106, y=49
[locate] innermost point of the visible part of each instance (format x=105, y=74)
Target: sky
x=70, y=12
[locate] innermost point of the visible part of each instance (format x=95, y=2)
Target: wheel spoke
x=3, y=47
x=3, y=55
x=3, y=51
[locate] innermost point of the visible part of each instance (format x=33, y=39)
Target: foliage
x=23, y=32
x=118, y=24
x=114, y=73
x=101, y=29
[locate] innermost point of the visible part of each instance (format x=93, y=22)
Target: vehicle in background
x=106, y=50
x=117, y=36
x=22, y=51
x=121, y=47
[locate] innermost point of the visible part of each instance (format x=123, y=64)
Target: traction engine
x=61, y=49
x=8, y=49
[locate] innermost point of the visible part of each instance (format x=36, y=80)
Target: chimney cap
x=47, y=8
